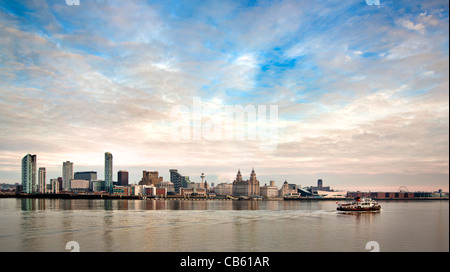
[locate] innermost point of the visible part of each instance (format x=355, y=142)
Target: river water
x=42, y=225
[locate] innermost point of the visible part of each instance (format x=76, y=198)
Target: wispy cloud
x=361, y=90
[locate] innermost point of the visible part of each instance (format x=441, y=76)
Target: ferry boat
x=363, y=205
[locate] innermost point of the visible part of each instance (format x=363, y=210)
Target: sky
x=359, y=93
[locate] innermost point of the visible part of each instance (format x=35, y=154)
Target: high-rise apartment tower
x=108, y=172
x=29, y=174
x=41, y=180
x=67, y=175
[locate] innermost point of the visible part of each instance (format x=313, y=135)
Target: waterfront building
x=168, y=185
x=8, y=187
x=185, y=181
x=143, y=190
x=195, y=185
x=150, y=178
x=67, y=175
x=269, y=191
x=86, y=175
x=188, y=192
x=162, y=192
x=305, y=192
x=60, y=183
x=178, y=180
x=248, y=187
x=29, y=174
x=320, y=187
x=383, y=195
x=122, y=178
x=41, y=180
x=136, y=189
x=48, y=188
x=288, y=189
x=149, y=190
x=19, y=188
x=224, y=189
x=98, y=185
x=319, y=183
x=108, y=172
x=123, y=190
x=398, y=195
x=322, y=191
x=79, y=185
x=331, y=194
x=55, y=186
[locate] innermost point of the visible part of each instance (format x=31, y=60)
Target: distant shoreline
x=68, y=196
x=132, y=197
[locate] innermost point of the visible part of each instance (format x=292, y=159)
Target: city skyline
x=68, y=170
x=361, y=90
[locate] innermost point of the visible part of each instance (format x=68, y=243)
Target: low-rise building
x=144, y=190
x=188, y=192
x=224, y=189
x=97, y=185
x=332, y=194
x=287, y=189
x=195, y=185
x=161, y=192
x=79, y=185
x=123, y=190
x=168, y=185
x=382, y=195
x=269, y=191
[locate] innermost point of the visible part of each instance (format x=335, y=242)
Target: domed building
x=287, y=189
x=248, y=187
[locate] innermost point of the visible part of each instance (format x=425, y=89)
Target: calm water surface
x=182, y=225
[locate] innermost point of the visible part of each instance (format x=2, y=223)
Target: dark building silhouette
x=320, y=187
x=122, y=178
x=150, y=177
x=87, y=175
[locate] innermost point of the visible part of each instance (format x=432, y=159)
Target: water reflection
x=110, y=205
x=176, y=205
x=361, y=217
x=189, y=225
x=360, y=214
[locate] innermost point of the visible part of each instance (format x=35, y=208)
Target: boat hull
x=354, y=209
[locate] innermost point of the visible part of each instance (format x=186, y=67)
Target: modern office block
x=122, y=178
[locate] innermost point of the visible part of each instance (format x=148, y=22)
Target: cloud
x=410, y=25
x=358, y=89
